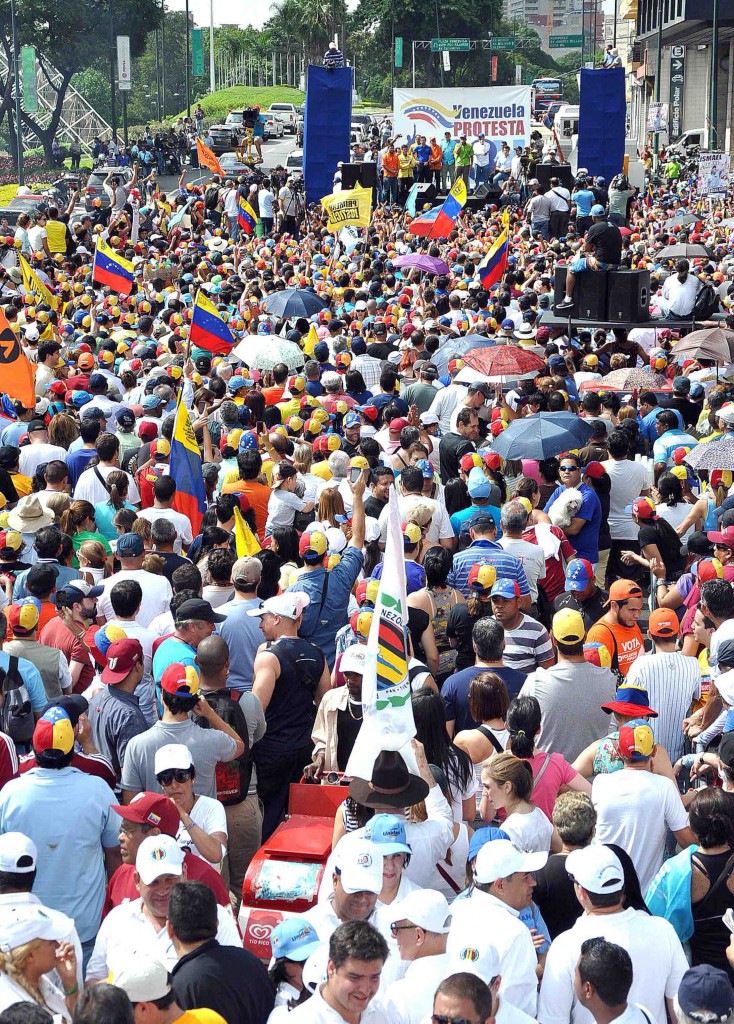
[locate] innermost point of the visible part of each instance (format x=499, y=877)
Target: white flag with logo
x=387, y=711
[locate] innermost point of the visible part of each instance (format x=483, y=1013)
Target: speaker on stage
x=589, y=294
x=544, y=173
x=628, y=296
x=365, y=174
x=426, y=191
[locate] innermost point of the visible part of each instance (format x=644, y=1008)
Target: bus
x=545, y=91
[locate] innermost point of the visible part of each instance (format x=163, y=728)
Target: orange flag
x=16, y=370
x=207, y=158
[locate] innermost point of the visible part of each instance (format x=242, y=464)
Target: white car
x=274, y=127
x=288, y=113
x=294, y=164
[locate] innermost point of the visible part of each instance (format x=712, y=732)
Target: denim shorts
x=579, y=265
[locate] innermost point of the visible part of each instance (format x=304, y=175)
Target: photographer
x=560, y=203
x=538, y=210
x=290, y=205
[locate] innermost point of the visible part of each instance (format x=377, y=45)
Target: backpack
x=16, y=713
x=211, y=198
x=706, y=304
x=232, y=777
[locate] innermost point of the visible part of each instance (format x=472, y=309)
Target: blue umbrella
x=458, y=347
x=294, y=302
x=542, y=436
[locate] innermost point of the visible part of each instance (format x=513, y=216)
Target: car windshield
x=295, y=160
x=233, y=118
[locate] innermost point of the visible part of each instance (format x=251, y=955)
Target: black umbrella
x=679, y=222
x=294, y=302
x=682, y=250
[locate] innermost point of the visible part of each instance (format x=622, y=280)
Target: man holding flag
x=440, y=222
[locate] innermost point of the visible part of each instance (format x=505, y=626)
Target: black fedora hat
x=391, y=784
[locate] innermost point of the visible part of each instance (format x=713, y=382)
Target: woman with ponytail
x=507, y=784
x=552, y=774
x=680, y=291
x=78, y=522
x=117, y=484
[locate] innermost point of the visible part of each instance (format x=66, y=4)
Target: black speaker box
x=544, y=173
x=425, y=192
x=365, y=174
x=589, y=294
x=482, y=191
x=628, y=296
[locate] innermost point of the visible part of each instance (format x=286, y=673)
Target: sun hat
x=29, y=515
x=630, y=702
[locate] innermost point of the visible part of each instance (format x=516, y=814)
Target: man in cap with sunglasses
x=658, y=960
x=420, y=924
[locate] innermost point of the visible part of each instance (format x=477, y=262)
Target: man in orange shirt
x=435, y=162
x=274, y=394
x=618, y=630
x=249, y=464
x=390, y=166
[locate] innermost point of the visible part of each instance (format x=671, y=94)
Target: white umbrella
x=263, y=351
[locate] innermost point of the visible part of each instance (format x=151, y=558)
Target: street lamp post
x=188, y=62
x=16, y=85
x=714, y=91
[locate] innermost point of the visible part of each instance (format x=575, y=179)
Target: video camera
x=249, y=117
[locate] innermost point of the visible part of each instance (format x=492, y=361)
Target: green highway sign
x=565, y=42
x=502, y=42
x=197, y=53
x=437, y=45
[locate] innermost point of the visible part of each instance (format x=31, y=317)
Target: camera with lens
x=249, y=117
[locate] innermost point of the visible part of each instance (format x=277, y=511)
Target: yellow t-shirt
x=201, y=1016
x=406, y=163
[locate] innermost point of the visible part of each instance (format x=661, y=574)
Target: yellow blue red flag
x=246, y=216
x=185, y=468
x=208, y=329
x=112, y=269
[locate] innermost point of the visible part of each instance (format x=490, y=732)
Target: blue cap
x=352, y=420
x=504, y=588
x=482, y=836
x=151, y=402
x=577, y=574
x=130, y=545
x=557, y=363
x=478, y=483
x=294, y=938
x=426, y=468
x=508, y=325
x=388, y=831
x=248, y=441
x=597, y=210
x=236, y=383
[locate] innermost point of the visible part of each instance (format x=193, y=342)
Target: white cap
x=500, y=859
x=14, y=848
x=336, y=540
x=425, y=908
x=285, y=606
x=172, y=755
x=428, y=419
x=27, y=921
x=353, y=659
x=468, y=949
x=726, y=413
x=360, y=865
x=725, y=686
x=596, y=869
x=158, y=855
x=142, y=978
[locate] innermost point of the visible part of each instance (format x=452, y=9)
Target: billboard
x=501, y=113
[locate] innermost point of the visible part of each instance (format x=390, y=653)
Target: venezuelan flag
x=246, y=216
x=494, y=264
x=439, y=223
x=111, y=269
x=208, y=329
x=185, y=468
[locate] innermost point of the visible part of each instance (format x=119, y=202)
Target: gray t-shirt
x=207, y=746
x=571, y=692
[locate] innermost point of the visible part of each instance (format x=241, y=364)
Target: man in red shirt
x=66, y=630
x=151, y=814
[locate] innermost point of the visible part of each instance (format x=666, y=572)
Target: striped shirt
x=486, y=552
x=527, y=646
x=673, y=682
x=662, y=450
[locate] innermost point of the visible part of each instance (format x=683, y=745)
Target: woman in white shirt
x=508, y=782
x=203, y=828
x=21, y=232
x=284, y=502
x=430, y=724
x=680, y=291
x=29, y=951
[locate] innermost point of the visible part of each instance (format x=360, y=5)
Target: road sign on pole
x=398, y=51
x=502, y=43
x=437, y=45
x=677, y=81
x=124, y=81
x=446, y=60
x=565, y=42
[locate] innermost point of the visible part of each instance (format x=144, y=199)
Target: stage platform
x=657, y=323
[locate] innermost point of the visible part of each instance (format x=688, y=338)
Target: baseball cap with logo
x=568, y=627
x=500, y=858
x=663, y=623
x=579, y=574
x=425, y=908
x=596, y=868
x=23, y=616
x=25, y=922
x=285, y=606
x=180, y=680
x=724, y=537
x=636, y=741
x=122, y=657
x=705, y=994
x=53, y=735
x=482, y=577
x=360, y=867
x=294, y=938
x=157, y=856
x=387, y=830
x=506, y=588
x=643, y=508
x=152, y=809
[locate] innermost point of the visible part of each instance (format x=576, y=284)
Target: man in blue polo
x=583, y=531
x=484, y=550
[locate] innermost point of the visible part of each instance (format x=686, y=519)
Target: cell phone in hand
x=728, y=919
x=260, y=427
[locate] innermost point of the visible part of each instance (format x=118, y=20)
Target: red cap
x=595, y=470
x=398, y=423
x=152, y=809
x=492, y=461
x=370, y=412
x=122, y=657
x=663, y=623
x=725, y=537
x=148, y=431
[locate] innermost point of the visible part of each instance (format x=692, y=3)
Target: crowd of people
x=556, y=843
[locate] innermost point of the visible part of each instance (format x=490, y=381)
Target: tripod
x=245, y=147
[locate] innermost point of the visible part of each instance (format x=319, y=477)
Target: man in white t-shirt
x=626, y=477
x=157, y=593
x=164, y=494
x=266, y=199
x=514, y=519
x=634, y=808
x=658, y=960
